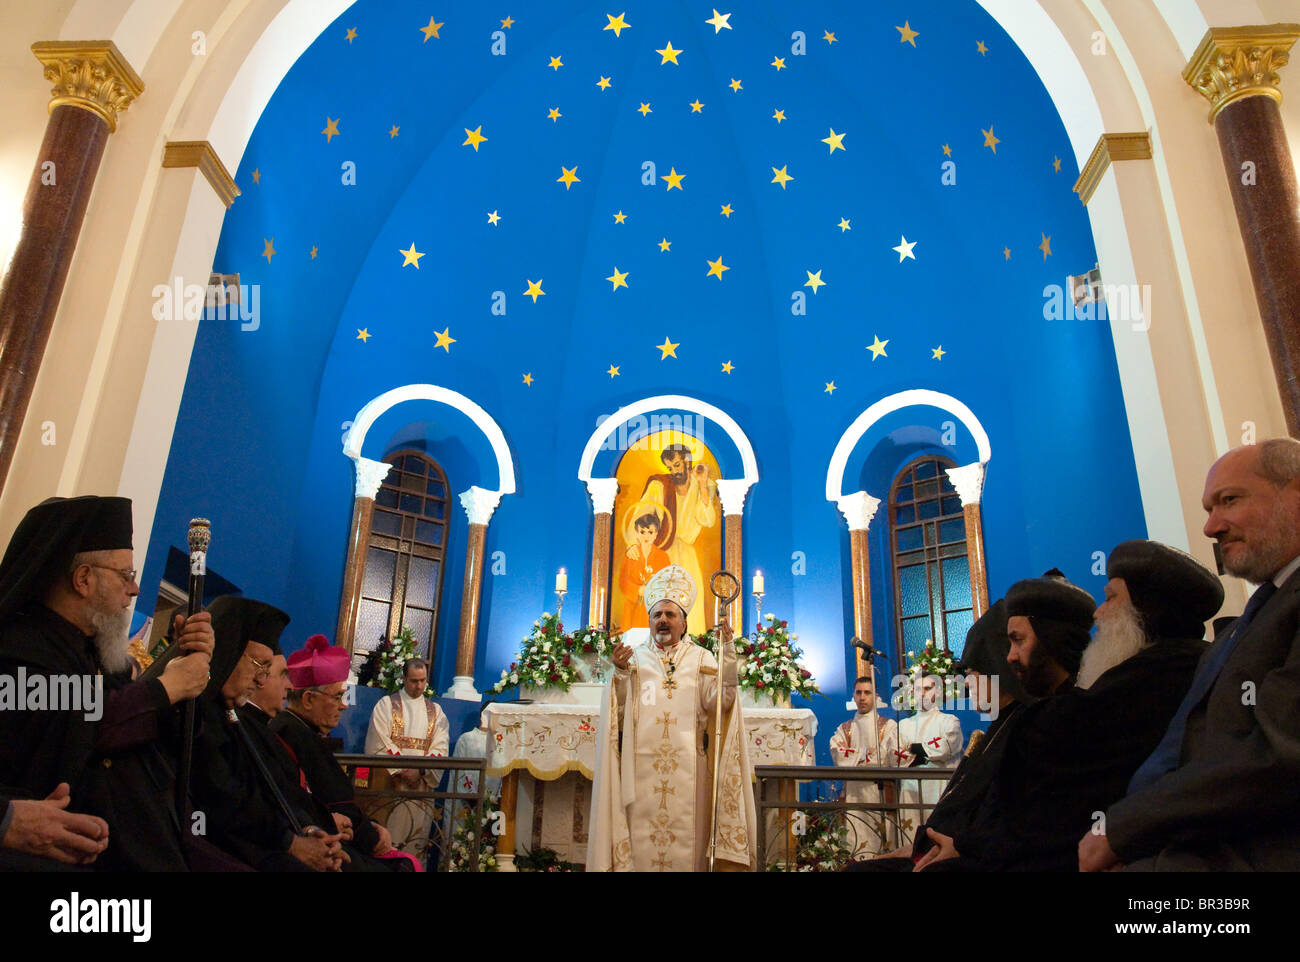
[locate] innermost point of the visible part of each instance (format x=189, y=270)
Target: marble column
x=369, y=476
x=602, y=491
x=858, y=510
x=969, y=482
x=479, y=505
x=732, y=495
x=93, y=84
x=1236, y=70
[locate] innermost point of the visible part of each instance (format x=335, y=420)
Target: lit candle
x=758, y=582
x=561, y=581
x=600, y=608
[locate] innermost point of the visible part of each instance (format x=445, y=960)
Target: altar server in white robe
x=928, y=739
x=867, y=739
x=472, y=744
x=407, y=723
x=652, y=797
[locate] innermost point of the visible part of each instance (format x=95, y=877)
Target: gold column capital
x=1236, y=62
x=91, y=74
x=199, y=153
x=1110, y=148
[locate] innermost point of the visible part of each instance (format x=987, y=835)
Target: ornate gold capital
x=199, y=153
x=1236, y=62
x=1110, y=148
x=92, y=75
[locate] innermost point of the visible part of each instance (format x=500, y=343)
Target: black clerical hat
x=1175, y=594
x=986, y=650
x=1060, y=613
x=50, y=535
x=235, y=622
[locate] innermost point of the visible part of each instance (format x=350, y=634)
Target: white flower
x=768, y=616
x=546, y=646
x=546, y=614
x=793, y=636
x=514, y=678
x=767, y=676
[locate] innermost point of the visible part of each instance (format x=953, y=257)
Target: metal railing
x=382, y=802
x=777, y=790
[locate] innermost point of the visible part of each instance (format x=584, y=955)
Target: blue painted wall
x=258, y=443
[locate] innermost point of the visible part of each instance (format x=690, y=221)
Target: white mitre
x=671, y=584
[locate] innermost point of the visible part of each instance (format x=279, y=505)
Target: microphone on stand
x=868, y=651
x=200, y=536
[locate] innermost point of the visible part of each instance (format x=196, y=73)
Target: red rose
x=512, y=666
x=588, y=648
x=804, y=673
x=565, y=661
x=554, y=677
x=759, y=685
x=762, y=646
x=783, y=624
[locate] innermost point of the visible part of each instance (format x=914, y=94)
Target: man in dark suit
x=1216, y=794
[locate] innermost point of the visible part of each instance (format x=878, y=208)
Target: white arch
x=888, y=405
x=373, y=409
x=662, y=402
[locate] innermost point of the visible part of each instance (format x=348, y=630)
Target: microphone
x=868, y=651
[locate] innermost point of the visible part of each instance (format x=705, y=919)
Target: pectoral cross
x=670, y=683
x=663, y=791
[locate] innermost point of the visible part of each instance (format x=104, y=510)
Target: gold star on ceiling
x=727, y=367
x=1046, y=246
x=905, y=250
x=507, y=23
x=528, y=378
x=878, y=348
x=779, y=116
x=990, y=141
x=979, y=45
x=668, y=349
x=474, y=137
x=331, y=129
x=268, y=249
x=674, y=179
x=645, y=109
x=445, y=340
x=411, y=256
x=665, y=244
x=554, y=114
x=313, y=252
x=393, y=132
x=716, y=268
x=814, y=281
x=908, y=34
x=844, y=225
x=1056, y=164
x=613, y=371
x=696, y=106
x=735, y=84
x=830, y=388
x=603, y=83
x=937, y=352
x=727, y=210
x=352, y=34
x=781, y=177
x=257, y=176
x=556, y=63
x=719, y=22
x=494, y=218
x=568, y=177
x=947, y=151
x=828, y=37
x=669, y=55
x=778, y=63
x=1006, y=252
x=620, y=217
x=619, y=279
x=363, y=334
x=617, y=24
x=835, y=140
x=431, y=30
x=534, y=289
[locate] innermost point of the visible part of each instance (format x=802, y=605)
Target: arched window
x=404, y=553
x=932, y=588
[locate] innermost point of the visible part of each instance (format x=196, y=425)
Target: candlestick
x=561, y=580
x=559, y=603
x=758, y=582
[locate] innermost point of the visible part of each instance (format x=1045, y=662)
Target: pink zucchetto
x=318, y=663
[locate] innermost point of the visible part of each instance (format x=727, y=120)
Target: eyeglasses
x=339, y=697
x=127, y=573
x=263, y=668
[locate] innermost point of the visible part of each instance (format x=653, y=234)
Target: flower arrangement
x=771, y=662
x=931, y=661
x=384, y=663
x=823, y=847
x=544, y=860
x=547, y=659
x=462, y=839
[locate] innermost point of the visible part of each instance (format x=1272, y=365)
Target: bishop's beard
x=112, y=635
x=1119, y=637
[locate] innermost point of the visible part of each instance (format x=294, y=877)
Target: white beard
x=1118, y=639
x=112, y=635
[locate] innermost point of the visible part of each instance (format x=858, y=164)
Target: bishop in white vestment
x=652, y=797
x=935, y=738
x=407, y=723
x=866, y=739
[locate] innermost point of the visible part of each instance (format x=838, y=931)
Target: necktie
x=1165, y=758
